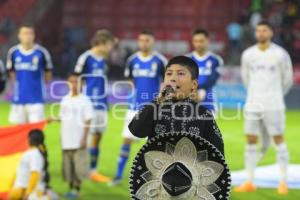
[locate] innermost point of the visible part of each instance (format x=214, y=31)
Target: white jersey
x=268, y=76
x=31, y=161
x=74, y=112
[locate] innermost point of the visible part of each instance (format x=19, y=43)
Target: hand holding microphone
x=167, y=91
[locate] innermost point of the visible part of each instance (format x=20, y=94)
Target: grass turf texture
x=233, y=135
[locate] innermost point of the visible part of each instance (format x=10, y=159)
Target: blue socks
x=125, y=150
x=94, y=153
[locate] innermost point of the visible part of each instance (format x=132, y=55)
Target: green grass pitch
x=232, y=131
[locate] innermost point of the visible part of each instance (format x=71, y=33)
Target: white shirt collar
x=201, y=58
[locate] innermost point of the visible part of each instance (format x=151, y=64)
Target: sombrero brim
x=163, y=149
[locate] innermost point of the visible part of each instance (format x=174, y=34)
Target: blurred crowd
x=284, y=16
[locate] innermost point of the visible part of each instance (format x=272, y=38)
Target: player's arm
x=36, y=167
x=48, y=66
x=12, y=75
x=244, y=70
x=32, y=183
x=48, y=76
x=10, y=65
x=213, y=78
x=287, y=73
x=2, y=71
x=128, y=73
x=142, y=124
x=61, y=114
x=80, y=65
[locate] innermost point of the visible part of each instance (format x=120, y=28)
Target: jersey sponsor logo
x=153, y=70
x=207, y=70
x=95, y=91
x=257, y=68
x=35, y=60
x=138, y=72
x=18, y=59
x=28, y=66
x=95, y=65
x=99, y=72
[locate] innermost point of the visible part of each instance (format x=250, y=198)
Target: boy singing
x=177, y=108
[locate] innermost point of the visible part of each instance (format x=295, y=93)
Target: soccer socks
x=94, y=153
x=250, y=164
x=282, y=160
x=250, y=160
x=125, y=150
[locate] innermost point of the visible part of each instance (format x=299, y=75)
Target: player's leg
x=250, y=164
x=282, y=161
x=96, y=134
x=35, y=112
x=94, y=150
x=80, y=170
x=128, y=139
x=275, y=124
x=98, y=127
x=68, y=171
x=122, y=161
x=17, y=114
x=252, y=128
x=94, y=156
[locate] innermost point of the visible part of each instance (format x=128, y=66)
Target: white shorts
x=128, y=117
x=273, y=122
x=99, y=122
x=26, y=113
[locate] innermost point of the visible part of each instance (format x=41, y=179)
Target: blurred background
x=65, y=27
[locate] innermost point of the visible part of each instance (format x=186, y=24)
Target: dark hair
x=185, y=62
x=36, y=138
x=72, y=74
x=201, y=31
x=26, y=25
x=147, y=32
x=101, y=37
x=265, y=23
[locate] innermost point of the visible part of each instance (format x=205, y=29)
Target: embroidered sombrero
x=175, y=166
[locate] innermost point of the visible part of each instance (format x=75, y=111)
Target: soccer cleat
x=116, y=181
x=282, y=188
x=97, y=177
x=246, y=187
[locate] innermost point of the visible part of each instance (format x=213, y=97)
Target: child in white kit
x=76, y=112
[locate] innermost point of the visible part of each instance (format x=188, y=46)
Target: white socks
x=282, y=160
x=250, y=160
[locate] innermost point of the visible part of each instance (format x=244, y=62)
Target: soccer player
x=145, y=69
x=266, y=70
x=209, y=64
x=29, y=66
x=92, y=67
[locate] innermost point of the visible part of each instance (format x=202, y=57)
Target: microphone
x=168, y=90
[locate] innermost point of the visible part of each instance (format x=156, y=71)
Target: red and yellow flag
x=13, y=142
